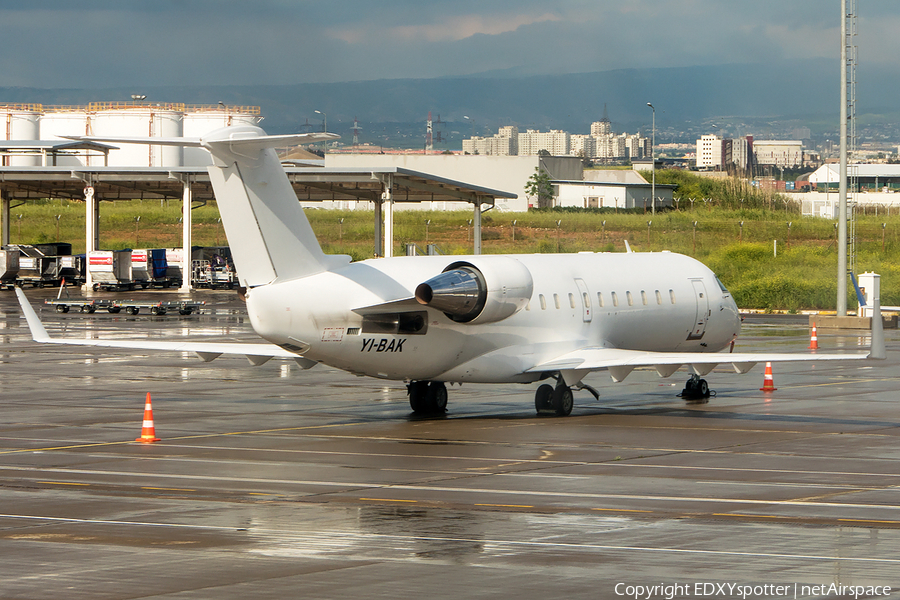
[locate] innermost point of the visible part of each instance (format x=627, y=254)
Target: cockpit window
x=722, y=286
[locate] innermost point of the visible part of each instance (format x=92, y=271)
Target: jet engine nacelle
x=485, y=290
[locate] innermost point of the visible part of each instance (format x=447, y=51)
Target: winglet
x=38, y=333
x=877, y=351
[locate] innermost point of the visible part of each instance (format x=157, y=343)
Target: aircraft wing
x=621, y=362
x=257, y=354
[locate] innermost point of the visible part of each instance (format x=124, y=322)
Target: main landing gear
x=427, y=397
x=696, y=389
x=556, y=401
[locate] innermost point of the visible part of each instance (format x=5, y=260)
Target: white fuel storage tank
x=58, y=122
x=21, y=122
x=200, y=120
x=122, y=119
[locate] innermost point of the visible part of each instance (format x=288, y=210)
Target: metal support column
x=92, y=232
x=379, y=252
x=186, y=242
x=476, y=235
x=4, y=217
x=388, y=197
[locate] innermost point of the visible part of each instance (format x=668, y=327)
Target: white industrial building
x=876, y=186
x=33, y=122
x=617, y=188
x=742, y=152
x=778, y=153
x=504, y=173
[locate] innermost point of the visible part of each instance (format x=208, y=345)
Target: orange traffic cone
x=813, y=339
x=768, y=382
x=148, y=431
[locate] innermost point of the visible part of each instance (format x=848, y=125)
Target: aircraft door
x=702, y=315
x=585, y=299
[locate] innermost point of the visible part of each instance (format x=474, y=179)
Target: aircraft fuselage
x=636, y=301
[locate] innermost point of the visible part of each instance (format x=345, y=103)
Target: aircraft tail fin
x=269, y=235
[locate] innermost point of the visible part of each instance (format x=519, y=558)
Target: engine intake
x=484, y=291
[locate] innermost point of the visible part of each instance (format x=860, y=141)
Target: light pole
x=324, y=129
x=473, y=124
x=653, y=161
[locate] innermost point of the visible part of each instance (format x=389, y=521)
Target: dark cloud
x=59, y=43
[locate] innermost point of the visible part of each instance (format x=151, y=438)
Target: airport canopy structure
x=876, y=177
x=49, y=152
x=381, y=186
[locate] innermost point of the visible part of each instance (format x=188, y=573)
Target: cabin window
x=615, y=298
x=672, y=296
x=630, y=298
x=543, y=302
x=556, y=300
x=571, y=300
x=600, y=299
x=586, y=299
x=528, y=305
x=658, y=298
x=643, y=297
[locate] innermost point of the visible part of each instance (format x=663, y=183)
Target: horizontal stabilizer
x=246, y=143
x=153, y=141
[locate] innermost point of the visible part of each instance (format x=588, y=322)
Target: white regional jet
x=433, y=320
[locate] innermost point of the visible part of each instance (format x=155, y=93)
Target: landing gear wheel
x=427, y=397
x=543, y=399
x=417, y=391
x=563, y=401
x=436, y=397
x=695, y=389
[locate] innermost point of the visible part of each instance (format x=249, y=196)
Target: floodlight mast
x=653, y=163
x=842, y=189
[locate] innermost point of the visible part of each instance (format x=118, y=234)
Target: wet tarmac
x=275, y=482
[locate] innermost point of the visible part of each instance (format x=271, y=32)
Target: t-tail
x=270, y=237
x=268, y=233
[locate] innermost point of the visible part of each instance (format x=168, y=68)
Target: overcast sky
x=112, y=43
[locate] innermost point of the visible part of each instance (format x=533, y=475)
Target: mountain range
x=736, y=96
